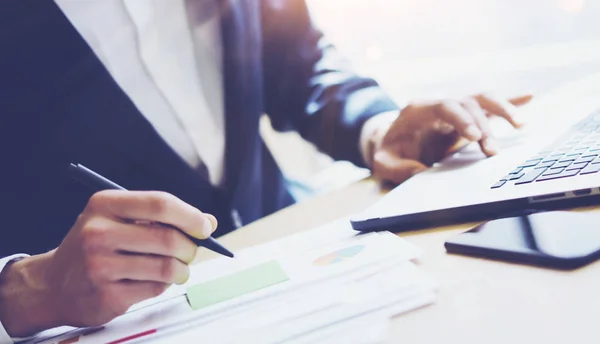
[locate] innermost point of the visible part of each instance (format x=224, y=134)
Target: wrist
x=25, y=298
x=372, y=134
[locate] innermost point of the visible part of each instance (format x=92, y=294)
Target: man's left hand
x=426, y=132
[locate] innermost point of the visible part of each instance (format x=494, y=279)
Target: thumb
x=389, y=166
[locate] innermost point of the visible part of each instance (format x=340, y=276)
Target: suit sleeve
x=310, y=88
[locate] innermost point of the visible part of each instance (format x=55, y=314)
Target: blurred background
x=445, y=48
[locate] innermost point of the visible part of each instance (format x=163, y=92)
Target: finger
x=142, y=268
x=154, y=206
x=390, y=167
x=107, y=234
x=500, y=107
x=157, y=240
x=213, y=221
x=456, y=115
x=486, y=143
x=122, y=295
x=521, y=100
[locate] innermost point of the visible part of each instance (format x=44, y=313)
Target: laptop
x=552, y=163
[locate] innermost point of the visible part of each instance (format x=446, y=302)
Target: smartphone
x=555, y=239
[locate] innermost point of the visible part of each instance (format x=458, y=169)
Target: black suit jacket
x=58, y=104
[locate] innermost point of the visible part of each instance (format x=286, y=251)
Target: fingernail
x=473, y=133
x=207, y=227
x=518, y=123
x=214, y=223
x=491, y=146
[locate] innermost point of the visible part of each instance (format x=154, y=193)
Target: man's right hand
x=114, y=256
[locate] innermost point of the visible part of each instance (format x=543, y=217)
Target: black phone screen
x=557, y=239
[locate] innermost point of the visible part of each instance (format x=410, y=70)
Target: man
x=165, y=97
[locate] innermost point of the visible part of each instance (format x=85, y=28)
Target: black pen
x=95, y=181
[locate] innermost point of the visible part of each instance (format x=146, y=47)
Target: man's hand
x=114, y=256
x=426, y=132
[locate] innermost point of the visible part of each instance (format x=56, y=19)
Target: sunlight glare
x=571, y=6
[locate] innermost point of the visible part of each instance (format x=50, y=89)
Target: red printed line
x=141, y=334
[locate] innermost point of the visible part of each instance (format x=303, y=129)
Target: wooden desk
x=479, y=301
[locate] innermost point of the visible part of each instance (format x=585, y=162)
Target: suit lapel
x=86, y=99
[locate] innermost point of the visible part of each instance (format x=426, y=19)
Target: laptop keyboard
x=577, y=153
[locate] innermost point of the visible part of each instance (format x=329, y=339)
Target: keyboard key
x=530, y=162
x=545, y=164
x=577, y=166
x=564, y=174
x=572, y=156
x=554, y=171
x=531, y=176
x=516, y=170
x=582, y=159
x=566, y=160
x=596, y=161
x=587, y=155
x=499, y=184
x=562, y=164
x=515, y=176
x=592, y=168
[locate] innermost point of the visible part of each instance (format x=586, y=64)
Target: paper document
x=306, y=288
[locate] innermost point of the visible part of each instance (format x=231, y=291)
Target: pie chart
x=338, y=256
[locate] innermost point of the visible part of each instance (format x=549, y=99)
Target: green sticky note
x=234, y=285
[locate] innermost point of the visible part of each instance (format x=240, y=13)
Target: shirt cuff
x=369, y=130
x=4, y=337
